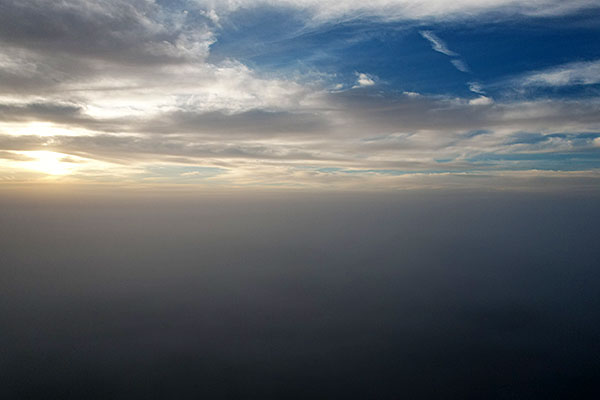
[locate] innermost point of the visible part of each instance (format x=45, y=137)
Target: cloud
x=460, y=65
x=321, y=11
x=56, y=112
x=364, y=80
x=576, y=73
x=251, y=123
x=352, y=130
x=437, y=44
x=122, y=86
x=211, y=15
x=481, y=101
x=9, y=155
x=137, y=31
x=476, y=87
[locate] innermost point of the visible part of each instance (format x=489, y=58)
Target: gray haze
x=409, y=295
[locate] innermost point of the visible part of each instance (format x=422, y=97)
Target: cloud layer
x=323, y=10
x=577, y=73
x=124, y=91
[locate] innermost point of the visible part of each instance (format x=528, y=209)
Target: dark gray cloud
x=132, y=32
x=68, y=115
x=357, y=113
x=358, y=129
x=64, y=48
x=121, y=148
x=7, y=155
x=388, y=111
x=53, y=112
x=255, y=123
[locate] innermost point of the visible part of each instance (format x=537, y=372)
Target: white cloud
x=481, y=101
x=327, y=10
x=213, y=16
x=437, y=44
x=577, y=73
x=476, y=87
x=460, y=65
x=364, y=80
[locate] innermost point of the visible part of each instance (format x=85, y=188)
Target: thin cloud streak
x=577, y=73
x=321, y=11
x=437, y=44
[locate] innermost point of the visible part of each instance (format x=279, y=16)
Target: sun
x=48, y=162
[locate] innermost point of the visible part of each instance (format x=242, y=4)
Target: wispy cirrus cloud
x=440, y=46
x=387, y=10
x=437, y=44
x=575, y=73
x=460, y=65
x=476, y=87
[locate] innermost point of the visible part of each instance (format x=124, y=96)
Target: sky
x=299, y=199
x=387, y=94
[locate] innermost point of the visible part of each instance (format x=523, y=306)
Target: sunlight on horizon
x=49, y=162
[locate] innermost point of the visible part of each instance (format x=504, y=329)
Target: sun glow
x=49, y=162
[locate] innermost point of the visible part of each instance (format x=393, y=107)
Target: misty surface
x=417, y=295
